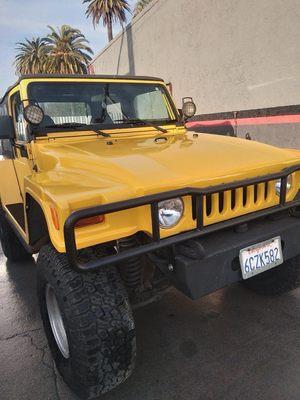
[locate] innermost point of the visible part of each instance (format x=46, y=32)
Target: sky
x=20, y=19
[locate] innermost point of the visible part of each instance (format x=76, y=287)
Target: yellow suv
x=100, y=177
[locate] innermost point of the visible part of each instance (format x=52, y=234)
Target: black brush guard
x=197, y=195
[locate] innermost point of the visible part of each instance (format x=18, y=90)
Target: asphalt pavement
x=232, y=344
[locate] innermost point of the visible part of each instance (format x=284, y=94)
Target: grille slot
x=266, y=190
x=255, y=193
x=233, y=197
x=245, y=196
x=208, y=205
x=221, y=202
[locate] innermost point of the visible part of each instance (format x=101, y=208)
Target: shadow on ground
x=230, y=345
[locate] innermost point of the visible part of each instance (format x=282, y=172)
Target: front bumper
x=156, y=243
x=201, y=266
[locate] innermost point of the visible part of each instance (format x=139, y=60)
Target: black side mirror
x=7, y=130
x=188, y=107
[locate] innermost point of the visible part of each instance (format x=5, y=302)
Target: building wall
x=229, y=55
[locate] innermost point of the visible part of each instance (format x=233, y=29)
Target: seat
x=47, y=121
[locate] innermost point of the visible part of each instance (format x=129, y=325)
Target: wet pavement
x=230, y=345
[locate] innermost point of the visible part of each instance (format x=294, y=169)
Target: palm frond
x=140, y=5
x=64, y=50
x=108, y=11
x=69, y=53
x=31, y=56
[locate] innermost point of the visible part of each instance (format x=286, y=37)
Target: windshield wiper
x=137, y=121
x=76, y=125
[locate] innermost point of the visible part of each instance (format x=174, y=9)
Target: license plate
x=261, y=257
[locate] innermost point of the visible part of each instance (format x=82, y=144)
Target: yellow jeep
x=99, y=176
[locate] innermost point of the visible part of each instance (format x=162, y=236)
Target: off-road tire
x=12, y=248
x=98, y=321
x=277, y=280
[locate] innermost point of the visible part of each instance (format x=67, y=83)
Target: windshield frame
x=40, y=131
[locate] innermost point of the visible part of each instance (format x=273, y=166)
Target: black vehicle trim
x=77, y=76
x=43, y=131
x=32, y=249
x=17, y=211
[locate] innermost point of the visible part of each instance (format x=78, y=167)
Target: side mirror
x=7, y=130
x=188, y=107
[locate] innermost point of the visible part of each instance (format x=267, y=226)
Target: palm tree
x=109, y=11
x=31, y=56
x=140, y=5
x=68, y=51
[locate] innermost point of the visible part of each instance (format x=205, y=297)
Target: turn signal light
x=90, y=221
x=55, y=219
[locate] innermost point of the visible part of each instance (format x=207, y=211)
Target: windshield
x=103, y=104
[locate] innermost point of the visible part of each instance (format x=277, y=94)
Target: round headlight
x=170, y=212
x=288, y=185
x=33, y=114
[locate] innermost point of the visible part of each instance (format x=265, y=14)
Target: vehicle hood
x=126, y=167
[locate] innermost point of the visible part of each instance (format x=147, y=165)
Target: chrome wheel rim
x=56, y=322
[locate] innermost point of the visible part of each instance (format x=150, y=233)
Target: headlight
x=288, y=185
x=170, y=212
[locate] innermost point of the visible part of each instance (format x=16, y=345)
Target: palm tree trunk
x=109, y=30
